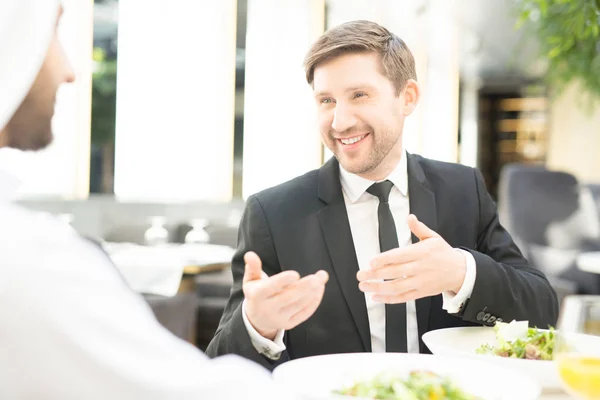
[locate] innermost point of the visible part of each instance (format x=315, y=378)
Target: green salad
x=535, y=345
x=419, y=385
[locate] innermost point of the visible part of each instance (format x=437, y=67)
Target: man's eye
x=359, y=94
x=326, y=101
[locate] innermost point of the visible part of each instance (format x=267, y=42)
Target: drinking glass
x=577, y=346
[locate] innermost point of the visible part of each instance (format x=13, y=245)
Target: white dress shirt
x=364, y=225
x=71, y=328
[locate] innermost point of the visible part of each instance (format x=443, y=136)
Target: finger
x=398, y=298
x=400, y=255
x=266, y=288
x=390, y=271
x=278, y=283
x=420, y=230
x=253, y=269
x=323, y=276
x=306, y=312
x=395, y=286
x=297, y=305
x=295, y=293
x=308, y=283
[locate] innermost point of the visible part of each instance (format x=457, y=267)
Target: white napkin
x=159, y=269
x=513, y=330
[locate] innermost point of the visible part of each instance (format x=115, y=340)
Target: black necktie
x=395, y=314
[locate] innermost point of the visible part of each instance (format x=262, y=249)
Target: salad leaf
x=535, y=345
x=420, y=385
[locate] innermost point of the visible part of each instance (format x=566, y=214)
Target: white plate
x=464, y=341
x=317, y=377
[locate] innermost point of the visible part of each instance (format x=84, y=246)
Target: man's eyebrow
x=362, y=86
x=321, y=93
x=353, y=88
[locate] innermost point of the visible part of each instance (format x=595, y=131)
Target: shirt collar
x=355, y=186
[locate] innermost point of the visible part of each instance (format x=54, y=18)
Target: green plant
x=569, y=35
x=104, y=89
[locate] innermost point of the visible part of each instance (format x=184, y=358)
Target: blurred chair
x=594, y=189
x=213, y=292
x=553, y=219
x=177, y=313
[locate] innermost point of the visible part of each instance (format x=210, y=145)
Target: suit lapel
x=338, y=238
x=422, y=204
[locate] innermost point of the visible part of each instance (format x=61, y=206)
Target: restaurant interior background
x=182, y=109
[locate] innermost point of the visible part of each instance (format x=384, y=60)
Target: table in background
x=167, y=269
x=167, y=277
x=589, y=262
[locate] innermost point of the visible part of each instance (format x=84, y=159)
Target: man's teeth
x=352, y=140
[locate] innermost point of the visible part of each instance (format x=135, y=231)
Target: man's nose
x=343, y=119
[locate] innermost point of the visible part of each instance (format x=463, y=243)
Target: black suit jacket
x=302, y=225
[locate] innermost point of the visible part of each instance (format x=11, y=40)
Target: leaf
x=568, y=32
x=554, y=52
x=544, y=8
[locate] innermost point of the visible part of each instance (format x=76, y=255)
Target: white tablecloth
x=159, y=269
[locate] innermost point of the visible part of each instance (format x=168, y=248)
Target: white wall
x=574, y=136
x=175, y=100
x=281, y=137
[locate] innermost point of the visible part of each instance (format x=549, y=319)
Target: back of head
x=26, y=30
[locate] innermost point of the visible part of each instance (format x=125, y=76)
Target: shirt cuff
x=453, y=303
x=271, y=349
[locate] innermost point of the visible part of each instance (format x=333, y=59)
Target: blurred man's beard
x=383, y=143
x=31, y=126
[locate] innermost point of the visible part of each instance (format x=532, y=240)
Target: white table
x=160, y=269
x=589, y=262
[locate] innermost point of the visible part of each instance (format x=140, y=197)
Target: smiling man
x=378, y=246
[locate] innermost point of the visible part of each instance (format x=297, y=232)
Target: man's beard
x=377, y=154
x=30, y=128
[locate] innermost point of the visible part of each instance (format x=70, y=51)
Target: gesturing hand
x=281, y=301
x=426, y=268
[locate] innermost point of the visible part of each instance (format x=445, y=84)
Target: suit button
x=480, y=315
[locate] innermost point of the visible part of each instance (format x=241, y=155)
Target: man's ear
x=411, y=96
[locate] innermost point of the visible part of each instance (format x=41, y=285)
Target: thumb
x=253, y=269
x=420, y=230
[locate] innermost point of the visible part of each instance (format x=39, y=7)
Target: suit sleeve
x=506, y=286
x=232, y=336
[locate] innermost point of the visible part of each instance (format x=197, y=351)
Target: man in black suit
x=389, y=245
